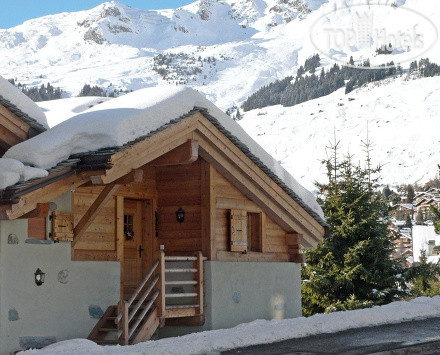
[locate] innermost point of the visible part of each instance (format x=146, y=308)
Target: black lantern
x=180, y=215
x=39, y=277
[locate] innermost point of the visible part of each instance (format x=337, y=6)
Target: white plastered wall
x=66, y=306
x=240, y=292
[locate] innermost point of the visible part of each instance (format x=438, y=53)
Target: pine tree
x=419, y=216
x=424, y=277
x=352, y=268
x=408, y=222
x=410, y=194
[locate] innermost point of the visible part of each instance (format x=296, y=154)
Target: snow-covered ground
x=259, y=331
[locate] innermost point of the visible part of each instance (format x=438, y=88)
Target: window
x=245, y=231
x=128, y=227
x=254, y=231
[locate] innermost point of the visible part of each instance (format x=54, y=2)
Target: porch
x=171, y=289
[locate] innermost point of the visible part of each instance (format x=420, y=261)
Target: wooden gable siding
x=179, y=186
x=100, y=242
x=229, y=197
x=12, y=130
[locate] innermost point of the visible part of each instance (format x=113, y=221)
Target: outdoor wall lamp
x=39, y=277
x=180, y=215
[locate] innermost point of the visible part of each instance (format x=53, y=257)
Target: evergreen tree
x=351, y=62
x=351, y=269
x=419, y=217
x=408, y=222
x=424, y=277
x=410, y=194
x=386, y=192
x=88, y=90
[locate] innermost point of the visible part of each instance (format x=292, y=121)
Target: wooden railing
x=126, y=315
x=151, y=295
x=182, y=310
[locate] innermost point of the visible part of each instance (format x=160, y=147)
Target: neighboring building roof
x=408, y=206
x=115, y=124
x=22, y=106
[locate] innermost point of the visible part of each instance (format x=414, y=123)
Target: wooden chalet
x=184, y=228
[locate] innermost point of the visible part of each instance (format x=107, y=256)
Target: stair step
x=106, y=342
x=181, y=306
x=181, y=270
x=108, y=330
x=180, y=258
x=187, y=282
x=180, y=295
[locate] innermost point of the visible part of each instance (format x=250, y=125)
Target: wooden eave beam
x=28, y=202
x=42, y=210
x=187, y=153
x=87, y=219
x=134, y=176
x=8, y=138
x=151, y=148
x=13, y=130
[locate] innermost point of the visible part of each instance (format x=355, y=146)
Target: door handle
x=140, y=249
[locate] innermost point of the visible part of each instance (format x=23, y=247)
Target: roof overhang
x=194, y=135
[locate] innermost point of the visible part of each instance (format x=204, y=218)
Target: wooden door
x=134, y=248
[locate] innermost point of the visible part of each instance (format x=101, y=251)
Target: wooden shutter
x=62, y=226
x=37, y=228
x=238, y=220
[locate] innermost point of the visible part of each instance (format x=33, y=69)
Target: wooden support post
x=200, y=283
x=293, y=241
x=125, y=325
x=161, y=298
x=86, y=220
x=208, y=211
x=120, y=228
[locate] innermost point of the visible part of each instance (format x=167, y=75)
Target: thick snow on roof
x=58, y=111
x=13, y=171
x=22, y=102
x=124, y=119
x=259, y=331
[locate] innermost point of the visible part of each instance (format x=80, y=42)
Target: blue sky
x=15, y=12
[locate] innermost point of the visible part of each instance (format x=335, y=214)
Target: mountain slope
x=227, y=49
x=401, y=115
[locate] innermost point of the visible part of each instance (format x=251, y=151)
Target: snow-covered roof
x=408, y=206
x=139, y=114
x=57, y=111
x=17, y=102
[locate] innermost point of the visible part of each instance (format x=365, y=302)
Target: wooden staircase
x=170, y=289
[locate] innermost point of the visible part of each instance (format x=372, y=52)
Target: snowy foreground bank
x=260, y=331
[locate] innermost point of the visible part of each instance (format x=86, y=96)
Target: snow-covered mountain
x=227, y=49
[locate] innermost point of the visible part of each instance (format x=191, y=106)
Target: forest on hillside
x=307, y=85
